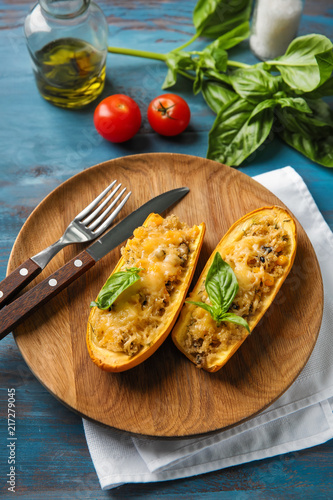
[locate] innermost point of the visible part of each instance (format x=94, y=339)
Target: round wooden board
x=166, y=395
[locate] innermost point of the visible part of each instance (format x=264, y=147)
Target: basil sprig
x=221, y=286
x=115, y=285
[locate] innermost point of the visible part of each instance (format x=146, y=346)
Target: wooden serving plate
x=166, y=395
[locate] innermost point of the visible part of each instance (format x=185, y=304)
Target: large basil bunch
x=283, y=96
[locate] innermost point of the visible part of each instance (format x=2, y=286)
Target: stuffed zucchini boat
x=236, y=287
x=138, y=305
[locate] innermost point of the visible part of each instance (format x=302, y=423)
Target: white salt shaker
x=274, y=26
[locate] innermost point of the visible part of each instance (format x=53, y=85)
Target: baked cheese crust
x=162, y=250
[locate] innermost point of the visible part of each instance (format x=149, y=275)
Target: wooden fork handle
x=17, y=280
x=18, y=310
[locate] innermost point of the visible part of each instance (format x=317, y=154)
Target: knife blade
x=18, y=310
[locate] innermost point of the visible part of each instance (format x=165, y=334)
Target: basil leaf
x=170, y=79
x=216, y=53
x=234, y=136
x=282, y=102
x=267, y=104
x=203, y=305
x=211, y=62
x=215, y=311
x=114, y=286
x=197, y=84
x=307, y=63
x=219, y=77
x=325, y=64
x=324, y=90
x=216, y=95
x=221, y=283
x=297, y=103
x=215, y=17
x=322, y=114
x=317, y=125
x=208, y=63
x=318, y=151
x=254, y=84
x=238, y=320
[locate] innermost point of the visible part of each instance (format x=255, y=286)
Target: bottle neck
x=64, y=9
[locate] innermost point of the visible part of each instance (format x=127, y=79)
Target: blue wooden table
x=40, y=147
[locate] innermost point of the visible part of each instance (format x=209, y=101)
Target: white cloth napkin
x=302, y=417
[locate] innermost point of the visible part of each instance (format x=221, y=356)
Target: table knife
x=18, y=310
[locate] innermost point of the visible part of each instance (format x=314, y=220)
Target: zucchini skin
x=180, y=330
x=112, y=361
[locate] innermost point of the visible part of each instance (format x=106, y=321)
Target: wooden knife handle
x=18, y=310
x=17, y=280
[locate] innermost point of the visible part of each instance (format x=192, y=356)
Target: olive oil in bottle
x=67, y=41
x=69, y=72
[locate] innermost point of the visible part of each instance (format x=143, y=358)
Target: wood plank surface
x=150, y=399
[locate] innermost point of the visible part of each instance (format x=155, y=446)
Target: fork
x=86, y=226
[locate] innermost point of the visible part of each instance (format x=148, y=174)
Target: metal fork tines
x=88, y=224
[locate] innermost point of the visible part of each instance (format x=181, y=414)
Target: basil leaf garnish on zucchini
x=221, y=286
x=115, y=285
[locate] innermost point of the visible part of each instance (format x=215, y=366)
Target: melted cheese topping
x=162, y=250
x=258, y=255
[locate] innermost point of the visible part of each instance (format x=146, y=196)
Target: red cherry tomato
x=169, y=114
x=117, y=118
